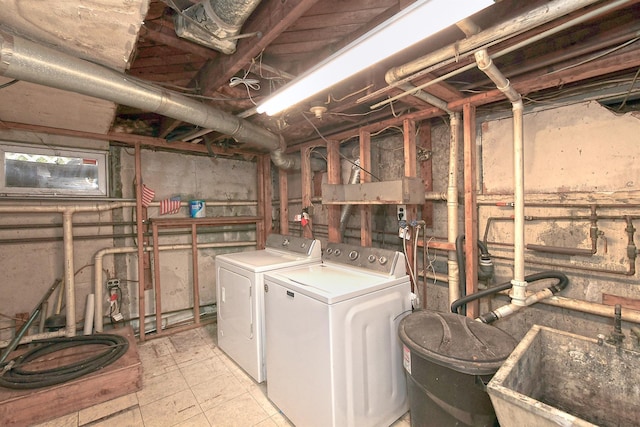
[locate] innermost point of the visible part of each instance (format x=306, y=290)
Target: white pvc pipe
x=452, y=208
x=67, y=240
x=98, y=314
x=519, y=288
x=88, y=314
x=538, y=16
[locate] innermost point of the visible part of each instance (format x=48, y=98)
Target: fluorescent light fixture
x=414, y=23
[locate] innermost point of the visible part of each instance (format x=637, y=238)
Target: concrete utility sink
x=556, y=378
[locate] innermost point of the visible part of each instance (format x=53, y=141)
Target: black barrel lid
x=456, y=342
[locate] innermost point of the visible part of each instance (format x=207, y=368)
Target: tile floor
x=187, y=381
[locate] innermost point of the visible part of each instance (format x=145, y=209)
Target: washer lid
x=456, y=342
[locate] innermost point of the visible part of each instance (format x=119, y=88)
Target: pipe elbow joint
x=483, y=59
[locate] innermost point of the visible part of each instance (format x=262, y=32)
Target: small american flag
x=147, y=196
x=170, y=206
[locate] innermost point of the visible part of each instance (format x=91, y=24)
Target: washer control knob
x=371, y=258
x=285, y=242
x=337, y=252
x=382, y=260
x=303, y=245
x=266, y=287
x=353, y=255
x=329, y=251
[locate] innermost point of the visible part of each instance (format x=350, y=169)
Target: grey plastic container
x=448, y=359
x=556, y=378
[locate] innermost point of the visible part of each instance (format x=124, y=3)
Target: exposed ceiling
x=283, y=38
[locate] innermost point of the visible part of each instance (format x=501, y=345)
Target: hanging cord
x=17, y=375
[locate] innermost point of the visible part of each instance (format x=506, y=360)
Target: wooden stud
x=426, y=171
x=470, y=206
x=305, y=172
x=365, y=165
x=284, y=201
x=333, y=177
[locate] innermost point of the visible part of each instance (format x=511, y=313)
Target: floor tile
x=171, y=410
x=241, y=411
x=196, y=352
x=259, y=393
x=199, y=420
x=219, y=390
x=203, y=370
x=103, y=410
x=129, y=418
x=161, y=386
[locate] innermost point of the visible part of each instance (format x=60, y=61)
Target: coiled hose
x=16, y=375
x=563, y=281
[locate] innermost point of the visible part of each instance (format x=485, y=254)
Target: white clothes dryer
x=240, y=296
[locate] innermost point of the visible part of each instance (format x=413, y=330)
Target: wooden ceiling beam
x=627, y=59
x=128, y=139
x=158, y=33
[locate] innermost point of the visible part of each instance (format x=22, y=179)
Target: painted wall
x=575, y=155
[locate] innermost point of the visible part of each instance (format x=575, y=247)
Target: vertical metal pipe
x=452, y=207
x=486, y=65
x=70, y=294
x=140, y=236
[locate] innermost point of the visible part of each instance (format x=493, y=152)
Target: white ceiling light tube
x=413, y=24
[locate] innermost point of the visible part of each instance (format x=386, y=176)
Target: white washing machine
x=240, y=296
x=334, y=357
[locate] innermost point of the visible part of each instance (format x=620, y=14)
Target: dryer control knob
x=371, y=258
x=353, y=255
x=285, y=242
x=337, y=252
x=266, y=288
x=383, y=260
x=303, y=245
x=329, y=251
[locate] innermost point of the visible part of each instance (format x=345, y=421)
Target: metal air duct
x=25, y=60
x=214, y=23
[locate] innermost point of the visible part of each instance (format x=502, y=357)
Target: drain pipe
x=452, y=207
x=67, y=239
x=25, y=60
x=519, y=285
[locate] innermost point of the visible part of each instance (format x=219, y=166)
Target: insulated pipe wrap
x=24, y=60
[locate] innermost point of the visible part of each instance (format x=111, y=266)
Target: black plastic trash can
x=448, y=360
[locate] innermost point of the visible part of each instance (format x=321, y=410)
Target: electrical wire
x=339, y=153
x=17, y=375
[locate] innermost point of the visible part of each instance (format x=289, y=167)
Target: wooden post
x=410, y=170
x=426, y=171
x=305, y=177
x=264, y=199
x=333, y=177
x=470, y=206
x=140, y=238
x=365, y=164
x=284, y=201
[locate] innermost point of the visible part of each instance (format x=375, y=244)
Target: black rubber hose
x=18, y=376
x=563, y=281
x=460, y=258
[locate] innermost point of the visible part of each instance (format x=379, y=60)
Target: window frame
x=99, y=156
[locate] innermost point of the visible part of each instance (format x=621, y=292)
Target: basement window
x=51, y=171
